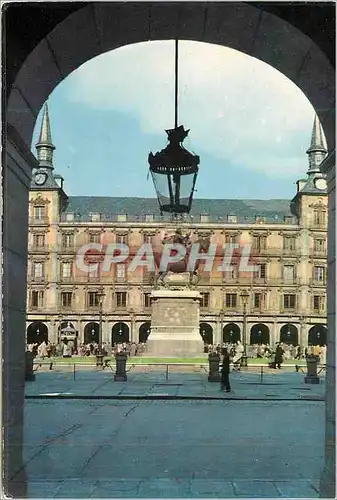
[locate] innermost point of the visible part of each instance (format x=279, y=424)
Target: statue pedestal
x=175, y=324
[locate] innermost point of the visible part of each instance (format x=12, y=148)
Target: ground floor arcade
x=119, y=329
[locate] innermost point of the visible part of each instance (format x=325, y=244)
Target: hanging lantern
x=174, y=170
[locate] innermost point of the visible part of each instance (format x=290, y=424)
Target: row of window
x=259, y=243
x=288, y=272
x=231, y=300
x=319, y=215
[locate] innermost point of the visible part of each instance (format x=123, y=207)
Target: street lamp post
x=100, y=302
x=244, y=297
x=221, y=327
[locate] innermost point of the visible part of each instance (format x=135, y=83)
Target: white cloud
x=237, y=107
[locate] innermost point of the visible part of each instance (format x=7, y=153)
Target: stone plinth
x=175, y=324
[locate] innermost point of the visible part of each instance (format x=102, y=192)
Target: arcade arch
x=60, y=47
x=231, y=333
x=119, y=333
x=317, y=335
x=289, y=334
x=37, y=332
x=91, y=332
x=144, y=332
x=206, y=332
x=259, y=334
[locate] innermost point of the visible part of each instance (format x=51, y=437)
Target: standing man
x=225, y=372
x=279, y=356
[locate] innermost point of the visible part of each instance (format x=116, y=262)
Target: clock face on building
x=40, y=178
x=320, y=183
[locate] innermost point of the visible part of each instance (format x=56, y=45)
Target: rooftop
x=136, y=209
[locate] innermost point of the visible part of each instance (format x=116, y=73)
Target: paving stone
x=77, y=488
x=42, y=489
x=112, y=445
x=114, y=488
x=212, y=489
x=296, y=489
x=259, y=489
x=164, y=488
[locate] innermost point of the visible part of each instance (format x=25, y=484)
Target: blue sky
x=249, y=124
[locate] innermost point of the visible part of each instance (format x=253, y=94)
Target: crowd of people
x=276, y=355
x=280, y=352
x=69, y=349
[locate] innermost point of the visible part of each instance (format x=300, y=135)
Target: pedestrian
x=225, y=372
x=279, y=356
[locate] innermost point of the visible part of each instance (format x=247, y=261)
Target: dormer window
x=232, y=218
x=204, y=218
x=70, y=216
x=96, y=217
x=149, y=218
x=121, y=218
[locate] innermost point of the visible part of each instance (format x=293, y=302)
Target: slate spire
x=44, y=146
x=317, y=150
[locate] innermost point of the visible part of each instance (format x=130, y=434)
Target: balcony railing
x=38, y=221
x=37, y=279
x=318, y=253
x=66, y=279
x=316, y=282
x=67, y=249
x=38, y=248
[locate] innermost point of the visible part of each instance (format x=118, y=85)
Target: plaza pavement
x=142, y=439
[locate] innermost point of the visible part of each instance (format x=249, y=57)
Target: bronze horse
x=182, y=265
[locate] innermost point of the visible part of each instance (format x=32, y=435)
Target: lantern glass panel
x=174, y=191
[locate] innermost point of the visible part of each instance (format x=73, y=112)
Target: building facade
x=286, y=291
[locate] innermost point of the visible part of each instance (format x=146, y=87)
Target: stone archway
x=206, y=332
x=289, y=334
x=91, y=332
x=37, y=332
x=248, y=28
x=45, y=54
x=317, y=335
x=144, y=332
x=231, y=333
x=120, y=333
x=259, y=334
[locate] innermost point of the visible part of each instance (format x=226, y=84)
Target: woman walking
x=225, y=372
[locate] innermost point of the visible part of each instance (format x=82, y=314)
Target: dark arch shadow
x=119, y=333
x=259, y=334
x=206, y=332
x=91, y=332
x=144, y=332
x=231, y=333
x=289, y=334
x=37, y=332
x=317, y=335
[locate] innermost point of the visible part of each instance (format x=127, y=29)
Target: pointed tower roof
x=317, y=150
x=45, y=132
x=317, y=141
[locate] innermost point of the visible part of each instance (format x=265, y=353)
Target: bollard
x=74, y=371
x=120, y=375
x=311, y=376
x=99, y=361
x=214, y=362
x=261, y=375
x=29, y=364
x=167, y=369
